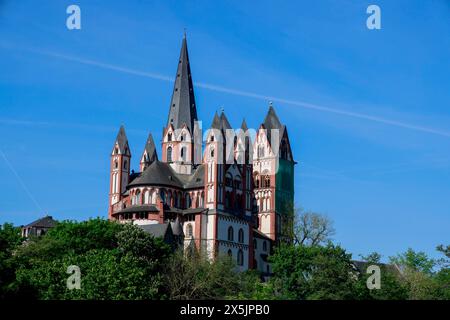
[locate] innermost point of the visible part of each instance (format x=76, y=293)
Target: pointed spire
x=121, y=139
x=182, y=108
x=150, y=149
x=224, y=121
x=216, y=122
x=177, y=229
x=244, y=126
x=272, y=121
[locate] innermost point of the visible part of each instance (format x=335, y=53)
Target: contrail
x=22, y=184
x=217, y=88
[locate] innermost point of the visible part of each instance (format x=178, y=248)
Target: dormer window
x=169, y=137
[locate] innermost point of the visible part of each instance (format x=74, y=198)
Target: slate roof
x=259, y=234
x=158, y=230
x=177, y=229
x=45, y=222
x=161, y=174
x=271, y=121
x=182, y=108
x=143, y=208
x=158, y=173
x=122, y=139
x=150, y=148
x=361, y=266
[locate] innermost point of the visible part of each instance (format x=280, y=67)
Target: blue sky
x=367, y=111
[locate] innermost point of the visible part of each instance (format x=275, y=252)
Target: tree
x=196, y=277
x=10, y=239
x=116, y=262
x=417, y=271
x=311, y=228
x=316, y=272
x=392, y=285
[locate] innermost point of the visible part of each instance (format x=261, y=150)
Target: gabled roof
x=182, y=108
x=121, y=139
x=150, y=149
x=157, y=230
x=45, y=222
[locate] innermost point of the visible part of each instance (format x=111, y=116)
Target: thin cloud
x=237, y=92
x=21, y=182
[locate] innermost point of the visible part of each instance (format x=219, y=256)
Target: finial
x=270, y=103
x=222, y=109
x=184, y=33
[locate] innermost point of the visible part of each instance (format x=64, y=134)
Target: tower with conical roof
x=149, y=154
x=178, y=135
x=273, y=172
x=120, y=168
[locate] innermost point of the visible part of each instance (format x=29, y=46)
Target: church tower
x=273, y=172
x=120, y=169
x=178, y=135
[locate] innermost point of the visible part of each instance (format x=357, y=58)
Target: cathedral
x=222, y=192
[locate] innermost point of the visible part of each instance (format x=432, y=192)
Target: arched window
x=183, y=154
x=212, y=138
x=267, y=181
x=169, y=137
x=116, y=164
x=162, y=195
x=189, y=231
x=230, y=253
x=230, y=234
x=241, y=236
x=240, y=258
x=125, y=164
x=237, y=182
x=256, y=179
x=212, y=153
x=228, y=180
x=147, y=197
x=137, y=200
x=116, y=150
x=264, y=246
x=169, y=154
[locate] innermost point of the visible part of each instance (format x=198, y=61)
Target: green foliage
x=317, y=272
x=392, y=286
x=116, y=262
x=414, y=261
x=196, y=277
x=10, y=239
x=123, y=262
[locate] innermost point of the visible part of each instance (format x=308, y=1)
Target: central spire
x=182, y=108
